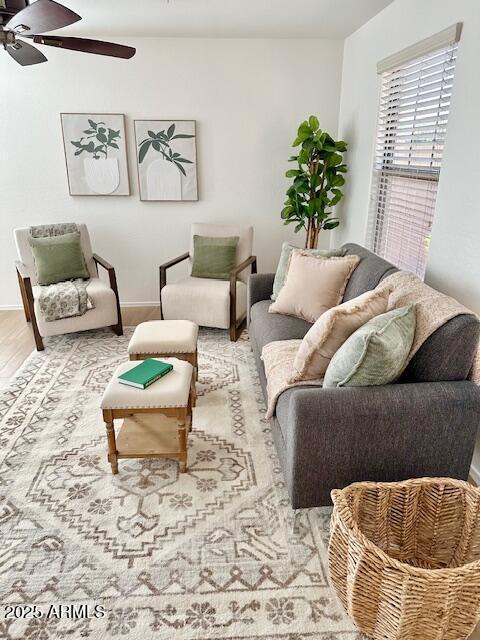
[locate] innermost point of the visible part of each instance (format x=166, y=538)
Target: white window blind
x=412, y=122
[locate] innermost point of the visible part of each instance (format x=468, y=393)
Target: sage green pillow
x=213, y=257
x=282, y=267
x=375, y=354
x=58, y=258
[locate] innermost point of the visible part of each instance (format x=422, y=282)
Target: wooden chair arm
x=174, y=261
x=163, y=273
x=252, y=260
x=102, y=262
x=114, y=286
x=22, y=270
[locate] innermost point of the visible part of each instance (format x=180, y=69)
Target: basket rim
x=348, y=522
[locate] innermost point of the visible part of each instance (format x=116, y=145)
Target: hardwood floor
x=17, y=343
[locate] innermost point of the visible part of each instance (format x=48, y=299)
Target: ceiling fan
x=19, y=19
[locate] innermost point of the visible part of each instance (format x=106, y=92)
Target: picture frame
x=166, y=152
x=95, y=154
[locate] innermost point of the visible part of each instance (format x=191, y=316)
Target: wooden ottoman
x=156, y=419
x=164, y=339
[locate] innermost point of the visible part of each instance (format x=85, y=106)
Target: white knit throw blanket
x=433, y=309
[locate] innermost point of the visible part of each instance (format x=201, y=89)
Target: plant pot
x=164, y=181
x=102, y=175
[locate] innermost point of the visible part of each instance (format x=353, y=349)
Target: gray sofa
x=423, y=425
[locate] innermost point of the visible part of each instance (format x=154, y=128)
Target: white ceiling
x=222, y=18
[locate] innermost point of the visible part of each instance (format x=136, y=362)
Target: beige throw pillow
x=332, y=329
x=313, y=285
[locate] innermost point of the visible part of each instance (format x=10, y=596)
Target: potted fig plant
x=317, y=181
x=101, y=171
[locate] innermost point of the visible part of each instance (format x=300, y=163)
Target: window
x=416, y=87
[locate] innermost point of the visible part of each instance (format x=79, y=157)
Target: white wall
x=247, y=96
x=454, y=259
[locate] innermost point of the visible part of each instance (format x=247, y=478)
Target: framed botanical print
x=95, y=154
x=167, y=159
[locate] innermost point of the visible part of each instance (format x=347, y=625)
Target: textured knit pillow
x=313, y=285
x=213, y=257
x=375, y=354
x=332, y=329
x=58, y=258
x=282, y=267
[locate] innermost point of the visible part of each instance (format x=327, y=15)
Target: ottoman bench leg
x=182, y=438
x=112, y=444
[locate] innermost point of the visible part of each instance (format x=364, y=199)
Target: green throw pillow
x=376, y=353
x=213, y=257
x=58, y=258
x=287, y=249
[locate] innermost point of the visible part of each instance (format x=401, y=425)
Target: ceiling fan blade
x=42, y=15
x=25, y=54
x=87, y=46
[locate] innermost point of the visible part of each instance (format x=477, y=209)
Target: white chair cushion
x=26, y=257
x=244, y=246
x=170, y=391
x=203, y=300
x=164, y=336
x=103, y=315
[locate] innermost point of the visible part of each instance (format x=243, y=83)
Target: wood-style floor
x=17, y=343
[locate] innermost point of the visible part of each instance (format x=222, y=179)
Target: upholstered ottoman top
x=170, y=391
x=164, y=336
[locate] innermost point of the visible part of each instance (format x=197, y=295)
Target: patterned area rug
x=213, y=553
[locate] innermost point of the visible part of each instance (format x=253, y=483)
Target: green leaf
x=92, y=124
x=143, y=151
x=152, y=134
x=76, y=144
x=331, y=224
x=156, y=145
x=182, y=135
x=101, y=129
x=181, y=168
x=114, y=145
x=90, y=147
x=314, y=181
x=341, y=145
x=335, y=159
x=304, y=129
x=101, y=137
x=313, y=122
x=299, y=227
x=79, y=151
x=170, y=131
x=184, y=160
x=292, y=173
x=338, y=181
x=296, y=142
x=342, y=168
x=89, y=131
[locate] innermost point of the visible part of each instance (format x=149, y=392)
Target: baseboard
x=475, y=475
x=11, y=307
x=140, y=304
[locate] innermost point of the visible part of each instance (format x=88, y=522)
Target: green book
x=145, y=373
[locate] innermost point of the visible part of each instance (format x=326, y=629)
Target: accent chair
x=206, y=301
x=104, y=296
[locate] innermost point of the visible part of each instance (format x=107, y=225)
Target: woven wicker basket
x=404, y=558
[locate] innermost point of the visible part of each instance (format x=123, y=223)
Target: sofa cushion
x=204, y=301
x=376, y=354
x=313, y=284
x=368, y=273
x=268, y=327
x=447, y=354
